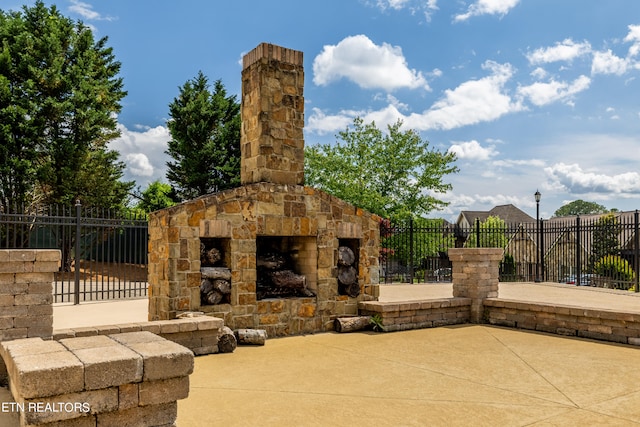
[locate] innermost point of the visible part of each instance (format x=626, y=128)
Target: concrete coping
x=188, y=324
x=383, y=307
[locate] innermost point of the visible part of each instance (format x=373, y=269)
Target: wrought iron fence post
x=578, y=260
x=636, y=244
x=411, y=250
x=541, y=249
x=76, y=256
x=477, y=232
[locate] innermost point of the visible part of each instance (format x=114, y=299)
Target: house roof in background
x=508, y=213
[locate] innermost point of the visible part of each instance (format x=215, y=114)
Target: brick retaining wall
x=603, y=325
x=401, y=316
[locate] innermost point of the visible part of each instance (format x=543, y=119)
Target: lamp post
x=537, y=195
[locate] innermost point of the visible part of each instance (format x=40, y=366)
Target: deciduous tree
x=580, y=207
x=394, y=174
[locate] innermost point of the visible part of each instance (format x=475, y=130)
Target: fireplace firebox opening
x=286, y=266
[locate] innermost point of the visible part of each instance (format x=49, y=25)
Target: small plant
x=376, y=323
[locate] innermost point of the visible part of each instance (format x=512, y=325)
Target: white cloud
x=370, y=66
x=567, y=50
x=428, y=7
x=143, y=152
x=545, y=93
x=321, y=123
x=634, y=37
x=85, y=10
x=139, y=164
x=472, y=102
x=393, y=4
x=487, y=7
x=472, y=150
x=608, y=63
x=539, y=73
x=537, y=163
x=572, y=178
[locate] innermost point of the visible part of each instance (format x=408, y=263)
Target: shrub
x=614, y=267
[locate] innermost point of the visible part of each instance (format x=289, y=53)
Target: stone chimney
x=272, y=139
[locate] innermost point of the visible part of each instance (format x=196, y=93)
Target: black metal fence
x=104, y=252
x=591, y=250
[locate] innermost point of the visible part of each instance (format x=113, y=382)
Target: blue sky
x=531, y=94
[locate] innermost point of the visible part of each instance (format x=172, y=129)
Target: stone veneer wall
x=242, y=215
x=603, y=325
x=272, y=138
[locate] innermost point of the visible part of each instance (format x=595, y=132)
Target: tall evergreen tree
x=205, y=139
x=59, y=94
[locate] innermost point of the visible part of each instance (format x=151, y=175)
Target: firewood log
x=211, y=298
x=210, y=256
x=350, y=324
x=288, y=279
x=352, y=290
x=227, y=341
x=251, y=336
x=347, y=275
x=271, y=261
x=346, y=257
x=206, y=286
x=215, y=273
x=222, y=286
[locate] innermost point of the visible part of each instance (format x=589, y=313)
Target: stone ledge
x=199, y=334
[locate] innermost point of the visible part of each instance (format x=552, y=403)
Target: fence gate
x=104, y=252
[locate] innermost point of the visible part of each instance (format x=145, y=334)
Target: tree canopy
x=205, y=139
x=493, y=234
x=156, y=196
x=59, y=96
x=392, y=174
x=580, y=207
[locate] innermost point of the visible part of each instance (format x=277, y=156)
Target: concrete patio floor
x=466, y=375
x=461, y=375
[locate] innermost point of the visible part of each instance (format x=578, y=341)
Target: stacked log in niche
x=276, y=278
x=215, y=286
x=347, y=273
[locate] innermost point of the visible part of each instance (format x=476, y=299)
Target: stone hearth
x=271, y=209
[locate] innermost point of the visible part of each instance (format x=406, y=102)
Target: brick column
x=26, y=295
x=475, y=275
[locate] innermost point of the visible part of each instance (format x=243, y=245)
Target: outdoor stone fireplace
x=294, y=256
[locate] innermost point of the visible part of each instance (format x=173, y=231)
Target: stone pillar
x=272, y=139
x=475, y=275
x=26, y=294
